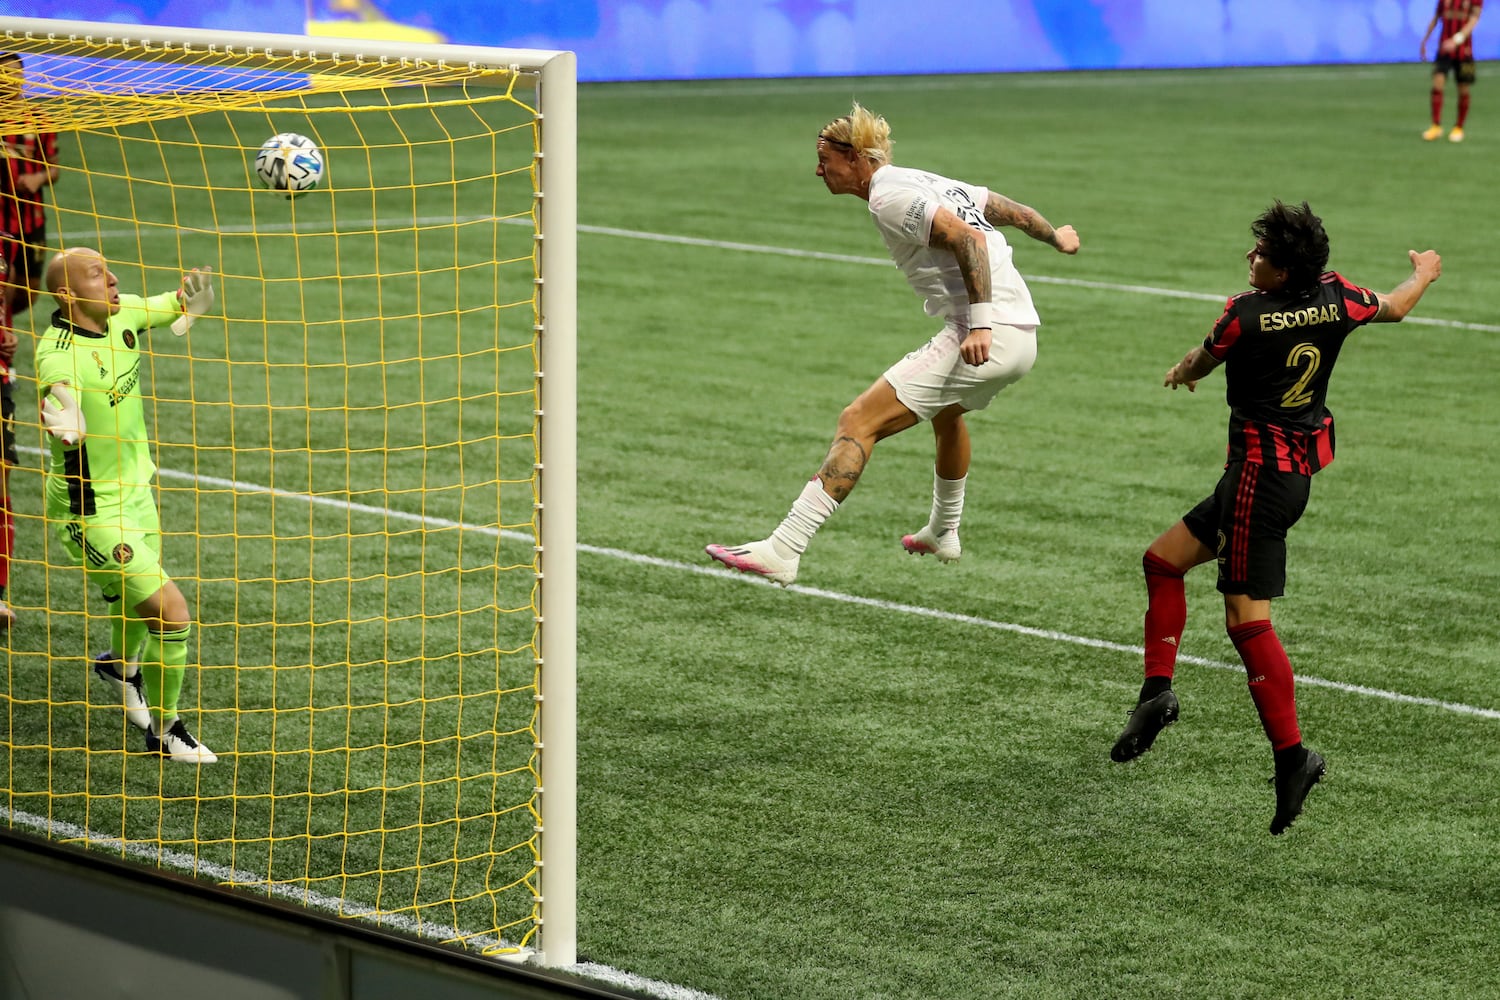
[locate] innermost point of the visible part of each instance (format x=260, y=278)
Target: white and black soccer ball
x=289, y=163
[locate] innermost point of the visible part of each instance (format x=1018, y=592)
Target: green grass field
x=892, y=781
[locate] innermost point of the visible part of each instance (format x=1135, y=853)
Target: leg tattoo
x=841, y=469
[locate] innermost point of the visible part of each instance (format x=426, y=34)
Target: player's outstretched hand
x=1427, y=265
x=1065, y=239
x=1174, y=379
x=197, y=297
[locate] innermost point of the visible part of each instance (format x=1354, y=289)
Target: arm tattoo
x=1001, y=211
x=841, y=469
x=974, y=267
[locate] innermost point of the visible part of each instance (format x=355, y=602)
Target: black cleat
x=1146, y=720
x=1292, y=789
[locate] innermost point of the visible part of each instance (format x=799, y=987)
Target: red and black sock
x=1269, y=672
x=1166, y=617
x=1437, y=106
x=1463, y=109
x=7, y=544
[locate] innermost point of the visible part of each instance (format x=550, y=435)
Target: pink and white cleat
x=924, y=542
x=759, y=558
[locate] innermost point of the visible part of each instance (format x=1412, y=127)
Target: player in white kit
x=944, y=236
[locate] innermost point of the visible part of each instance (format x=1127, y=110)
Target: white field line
x=366, y=225
x=714, y=570
x=1041, y=279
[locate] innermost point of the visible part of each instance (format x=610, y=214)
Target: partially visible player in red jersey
x=1278, y=344
x=30, y=166
x=1455, y=54
x=8, y=455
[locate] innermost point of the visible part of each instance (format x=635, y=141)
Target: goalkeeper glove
x=62, y=417
x=197, y=297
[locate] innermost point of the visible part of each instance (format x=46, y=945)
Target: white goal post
x=552, y=77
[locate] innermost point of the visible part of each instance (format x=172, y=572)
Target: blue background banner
x=694, y=39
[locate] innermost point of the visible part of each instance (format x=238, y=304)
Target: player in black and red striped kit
x=1455, y=54
x=1278, y=343
x=30, y=166
x=8, y=454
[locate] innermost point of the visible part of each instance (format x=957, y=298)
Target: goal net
x=365, y=456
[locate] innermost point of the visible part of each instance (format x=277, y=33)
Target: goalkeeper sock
x=126, y=633
x=163, y=667
x=811, y=508
x=947, y=504
x=130, y=653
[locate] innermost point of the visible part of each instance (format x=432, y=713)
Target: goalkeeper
x=98, y=489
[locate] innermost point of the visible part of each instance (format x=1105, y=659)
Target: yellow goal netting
x=354, y=450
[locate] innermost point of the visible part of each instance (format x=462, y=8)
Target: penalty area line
x=1050, y=635
x=938, y=614
x=1041, y=279
x=366, y=225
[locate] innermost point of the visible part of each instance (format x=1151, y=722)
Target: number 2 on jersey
x=1299, y=394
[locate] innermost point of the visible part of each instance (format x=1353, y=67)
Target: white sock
x=811, y=508
x=947, y=504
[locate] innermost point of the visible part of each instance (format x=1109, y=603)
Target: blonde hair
x=863, y=131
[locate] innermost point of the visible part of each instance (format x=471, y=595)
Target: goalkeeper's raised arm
x=196, y=297
x=99, y=493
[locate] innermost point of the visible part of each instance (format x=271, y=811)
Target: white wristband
x=981, y=314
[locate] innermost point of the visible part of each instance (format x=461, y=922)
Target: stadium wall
x=703, y=39
x=76, y=923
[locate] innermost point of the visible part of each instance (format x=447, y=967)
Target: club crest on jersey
x=123, y=553
x=129, y=337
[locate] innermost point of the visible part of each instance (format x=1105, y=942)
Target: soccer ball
x=289, y=163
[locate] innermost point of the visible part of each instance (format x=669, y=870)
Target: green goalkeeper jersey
x=103, y=370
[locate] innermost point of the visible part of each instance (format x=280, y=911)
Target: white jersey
x=903, y=202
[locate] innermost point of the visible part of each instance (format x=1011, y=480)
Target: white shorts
x=935, y=376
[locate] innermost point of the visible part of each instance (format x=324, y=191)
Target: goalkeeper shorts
x=119, y=548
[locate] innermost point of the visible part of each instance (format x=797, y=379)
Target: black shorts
x=24, y=258
x=1463, y=72
x=1245, y=523
x=7, y=417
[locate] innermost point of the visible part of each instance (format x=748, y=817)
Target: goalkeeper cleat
x=1435, y=132
x=1457, y=135
x=1292, y=788
x=759, y=558
x=1146, y=720
x=129, y=691
x=944, y=545
x=178, y=744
